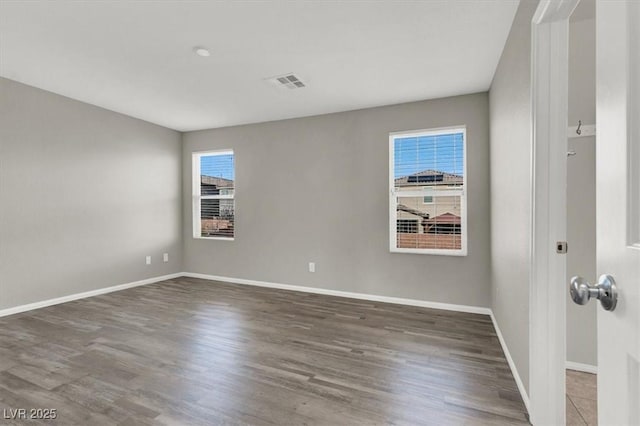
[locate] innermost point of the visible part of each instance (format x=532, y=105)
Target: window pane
x=217, y=174
x=437, y=225
x=217, y=218
x=435, y=160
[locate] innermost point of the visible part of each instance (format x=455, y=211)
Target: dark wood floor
x=189, y=352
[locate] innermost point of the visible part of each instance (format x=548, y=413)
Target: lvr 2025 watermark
x=30, y=413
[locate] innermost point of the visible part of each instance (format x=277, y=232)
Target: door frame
x=549, y=118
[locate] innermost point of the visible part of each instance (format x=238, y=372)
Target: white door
x=618, y=207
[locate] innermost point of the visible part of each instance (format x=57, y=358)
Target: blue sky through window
x=442, y=152
x=217, y=166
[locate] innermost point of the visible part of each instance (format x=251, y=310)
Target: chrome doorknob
x=605, y=291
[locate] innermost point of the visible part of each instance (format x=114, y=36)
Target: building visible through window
x=428, y=198
x=214, y=195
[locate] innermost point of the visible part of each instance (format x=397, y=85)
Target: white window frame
x=197, y=192
x=424, y=191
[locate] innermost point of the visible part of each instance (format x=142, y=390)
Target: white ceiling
x=136, y=58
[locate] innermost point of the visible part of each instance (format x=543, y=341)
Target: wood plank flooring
x=195, y=352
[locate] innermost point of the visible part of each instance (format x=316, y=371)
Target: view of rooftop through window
x=441, y=152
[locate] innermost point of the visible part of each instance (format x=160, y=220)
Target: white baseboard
x=348, y=294
x=585, y=368
x=69, y=298
x=512, y=365
x=352, y=295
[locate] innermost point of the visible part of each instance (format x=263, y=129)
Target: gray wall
x=581, y=258
x=85, y=195
x=581, y=189
x=316, y=189
x=510, y=115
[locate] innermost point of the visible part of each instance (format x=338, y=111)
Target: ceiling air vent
x=286, y=81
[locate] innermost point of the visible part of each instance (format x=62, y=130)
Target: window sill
x=214, y=238
x=434, y=252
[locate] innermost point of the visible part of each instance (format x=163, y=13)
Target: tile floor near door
x=196, y=352
x=582, y=400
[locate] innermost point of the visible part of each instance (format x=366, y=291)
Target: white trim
x=550, y=11
x=434, y=131
x=217, y=197
x=585, y=368
x=419, y=193
x=549, y=106
x=213, y=152
x=196, y=182
x=83, y=295
x=434, y=252
x=215, y=238
x=348, y=294
x=512, y=365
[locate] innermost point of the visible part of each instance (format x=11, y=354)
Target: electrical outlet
x=148, y=260
x=312, y=266
x=165, y=257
